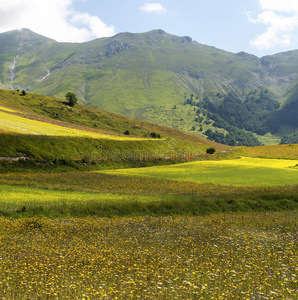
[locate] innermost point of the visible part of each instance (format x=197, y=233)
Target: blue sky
x=260, y=27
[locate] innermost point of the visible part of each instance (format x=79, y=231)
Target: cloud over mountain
x=53, y=18
x=281, y=20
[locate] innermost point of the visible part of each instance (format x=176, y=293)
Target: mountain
x=162, y=78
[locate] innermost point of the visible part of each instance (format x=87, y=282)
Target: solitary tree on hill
x=71, y=98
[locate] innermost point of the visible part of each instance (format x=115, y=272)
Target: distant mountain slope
x=162, y=78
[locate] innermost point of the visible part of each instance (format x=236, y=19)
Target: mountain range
x=235, y=99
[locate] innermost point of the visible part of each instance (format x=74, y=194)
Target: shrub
x=85, y=160
x=155, y=135
x=210, y=150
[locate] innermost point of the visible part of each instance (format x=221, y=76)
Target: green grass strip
x=19, y=201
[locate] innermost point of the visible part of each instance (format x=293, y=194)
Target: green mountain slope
x=151, y=76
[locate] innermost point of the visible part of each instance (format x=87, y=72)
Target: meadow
x=83, y=194
x=245, y=171
x=234, y=256
x=213, y=227
x=288, y=151
x=96, y=235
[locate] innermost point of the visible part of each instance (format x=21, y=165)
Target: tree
x=71, y=98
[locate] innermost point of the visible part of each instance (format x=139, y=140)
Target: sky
x=259, y=27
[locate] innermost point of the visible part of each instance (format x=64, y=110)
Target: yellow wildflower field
x=4, y=108
x=288, y=151
x=245, y=171
x=18, y=124
x=235, y=256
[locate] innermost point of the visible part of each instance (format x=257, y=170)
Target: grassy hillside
x=53, y=110
x=20, y=124
x=46, y=128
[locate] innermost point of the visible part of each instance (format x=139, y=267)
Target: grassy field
x=289, y=151
x=238, y=172
x=84, y=194
x=235, y=256
x=90, y=235
x=218, y=228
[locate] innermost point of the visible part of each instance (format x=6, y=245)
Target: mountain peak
x=158, y=31
x=25, y=34
x=246, y=56
x=22, y=39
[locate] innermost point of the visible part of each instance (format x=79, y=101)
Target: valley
x=100, y=200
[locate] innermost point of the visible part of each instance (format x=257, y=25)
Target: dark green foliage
x=155, y=135
x=71, y=98
x=127, y=132
x=289, y=113
x=291, y=139
x=86, y=160
x=199, y=119
x=191, y=101
x=23, y=93
x=256, y=113
x=208, y=105
x=234, y=137
x=210, y=150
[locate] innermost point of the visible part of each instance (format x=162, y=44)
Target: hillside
x=44, y=127
x=164, y=79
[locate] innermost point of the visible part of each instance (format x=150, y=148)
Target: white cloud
x=52, y=18
x=279, y=5
x=280, y=18
x=153, y=8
